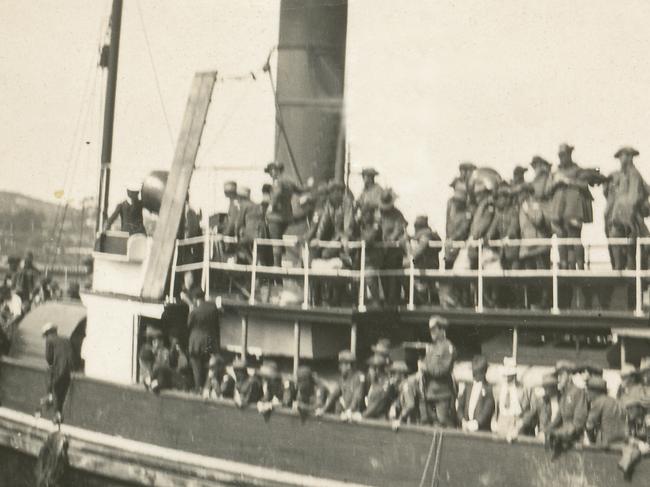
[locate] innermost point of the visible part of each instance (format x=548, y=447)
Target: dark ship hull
x=282, y=450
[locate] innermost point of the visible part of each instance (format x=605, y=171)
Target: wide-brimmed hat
x=382, y=347
x=439, y=321
x=590, y=367
x=628, y=370
x=539, y=161
x=369, y=171
x=346, y=356
x=269, y=370
x=387, y=199
x=467, y=166
x=48, y=327
x=565, y=366
x=399, y=367
x=564, y=147
x=274, y=165
x=597, y=384
x=230, y=188
x=626, y=150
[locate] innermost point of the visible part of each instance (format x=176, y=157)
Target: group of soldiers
x=483, y=207
x=570, y=405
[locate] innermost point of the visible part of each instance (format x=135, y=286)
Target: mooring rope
x=436, y=464
x=430, y=454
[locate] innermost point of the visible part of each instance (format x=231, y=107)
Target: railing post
x=353, y=339
x=515, y=343
x=638, y=311
x=172, y=278
x=479, y=305
x=296, y=347
x=411, y=305
x=206, y=262
x=305, y=284
x=554, y=259
x=244, y=336
x=623, y=358
x=362, y=278
x=251, y=299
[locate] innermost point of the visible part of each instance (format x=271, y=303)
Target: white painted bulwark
x=109, y=349
x=123, y=274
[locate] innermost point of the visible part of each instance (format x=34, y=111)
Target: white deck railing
x=410, y=272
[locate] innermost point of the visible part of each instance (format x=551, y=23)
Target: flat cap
x=564, y=366
x=369, y=171
x=440, y=321
x=399, y=366
x=626, y=150
x=597, y=384
x=346, y=356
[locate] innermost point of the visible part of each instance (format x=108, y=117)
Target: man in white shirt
x=476, y=402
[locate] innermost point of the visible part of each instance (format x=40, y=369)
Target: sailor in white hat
x=129, y=211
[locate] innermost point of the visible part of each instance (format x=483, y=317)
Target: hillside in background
x=56, y=235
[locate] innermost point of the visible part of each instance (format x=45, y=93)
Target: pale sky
x=428, y=84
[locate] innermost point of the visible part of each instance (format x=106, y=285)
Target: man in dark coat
x=310, y=392
x=505, y=226
x=248, y=387
x=570, y=422
x=476, y=403
x=440, y=389
x=393, y=231
x=571, y=206
x=27, y=279
x=627, y=205
x=370, y=233
x=129, y=211
x=606, y=421
x=204, y=338
x=379, y=393
x=424, y=256
x=536, y=420
x=60, y=362
x=349, y=391
x=458, y=221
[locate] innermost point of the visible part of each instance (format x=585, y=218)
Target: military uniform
x=204, y=338
x=572, y=413
x=482, y=221
x=457, y=223
x=440, y=389
x=627, y=205
x=505, y=225
x=425, y=257
x=378, y=398
x=393, y=231
x=606, y=421
x=348, y=393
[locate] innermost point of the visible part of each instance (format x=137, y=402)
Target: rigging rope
x=155, y=74
x=429, y=455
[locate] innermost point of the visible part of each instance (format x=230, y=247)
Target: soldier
x=372, y=236
x=412, y=400
x=569, y=424
x=250, y=226
x=349, y=391
x=476, y=402
x=505, y=225
x=129, y=211
x=311, y=394
x=571, y=207
x=248, y=388
x=371, y=194
x=638, y=430
x=398, y=372
x=204, y=337
x=393, y=231
x=543, y=409
x=518, y=174
x=379, y=393
x=60, y=362
x=440, y=389
x=627, y=205
x=458, y=221
x=382, y=349
x=466, y=169
x=482, y=221
x=424, y=257
x=279, y=213
x=606, y=419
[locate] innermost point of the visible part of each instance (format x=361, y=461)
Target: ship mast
x=109, y=115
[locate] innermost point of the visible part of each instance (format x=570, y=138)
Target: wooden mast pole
x=109, y=115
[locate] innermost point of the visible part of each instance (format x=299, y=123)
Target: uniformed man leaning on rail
x=440, y=389
x=129, y=211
